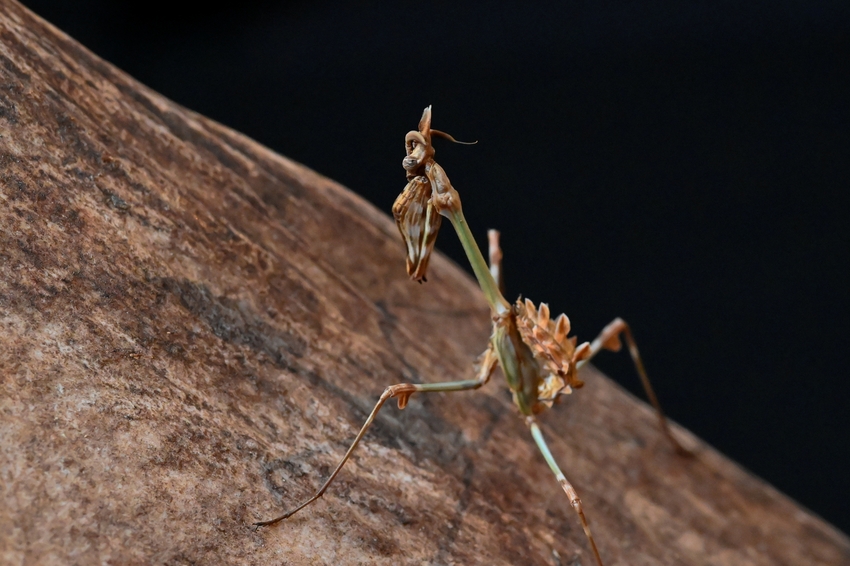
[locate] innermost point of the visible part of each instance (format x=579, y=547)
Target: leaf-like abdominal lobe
x=558, y=355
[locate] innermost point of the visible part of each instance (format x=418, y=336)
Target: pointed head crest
x=425, y=122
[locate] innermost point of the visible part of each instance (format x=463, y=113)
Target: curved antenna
x=444, y=135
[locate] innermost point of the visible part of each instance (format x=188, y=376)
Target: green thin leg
x=403, y=391
x=562, y=479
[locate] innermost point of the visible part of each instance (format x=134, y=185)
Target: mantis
x=538, y=359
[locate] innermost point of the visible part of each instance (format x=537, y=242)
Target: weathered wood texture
x=193, y=328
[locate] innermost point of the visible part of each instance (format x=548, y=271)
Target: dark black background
x=684, y=165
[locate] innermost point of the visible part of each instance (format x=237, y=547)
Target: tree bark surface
x=193, y=329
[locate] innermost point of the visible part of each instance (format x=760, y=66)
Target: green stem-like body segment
x=498, y=304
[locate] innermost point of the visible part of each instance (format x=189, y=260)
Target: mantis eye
x=412, y=147
x=413, y=141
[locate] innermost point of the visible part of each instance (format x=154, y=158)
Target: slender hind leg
x=562, y=479
x=403, y=391
x=609, y=339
